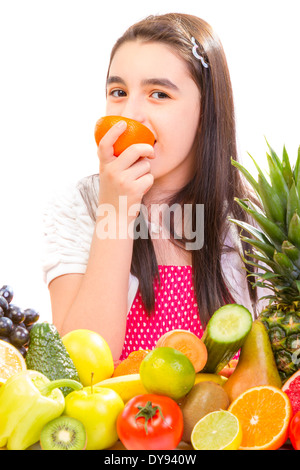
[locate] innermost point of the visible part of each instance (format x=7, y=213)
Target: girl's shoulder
x=67, y=231
x=75, y=202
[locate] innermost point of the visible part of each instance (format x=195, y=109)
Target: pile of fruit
x=236, y=388
x=69, y=394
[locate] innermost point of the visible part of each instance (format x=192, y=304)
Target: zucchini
x=47, y=354
x=224, y=335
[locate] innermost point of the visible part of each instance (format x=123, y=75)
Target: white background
x=54, y=56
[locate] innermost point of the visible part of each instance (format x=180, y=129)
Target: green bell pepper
x=29, y=400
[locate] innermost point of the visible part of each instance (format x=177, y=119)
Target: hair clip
x=195, y=53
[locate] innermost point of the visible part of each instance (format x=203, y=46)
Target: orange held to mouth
x=135, y=133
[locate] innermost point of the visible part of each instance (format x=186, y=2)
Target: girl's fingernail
x=121, y=124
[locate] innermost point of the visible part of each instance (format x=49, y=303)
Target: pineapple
x=275, y=239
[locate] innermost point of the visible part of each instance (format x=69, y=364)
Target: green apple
x=97, y=408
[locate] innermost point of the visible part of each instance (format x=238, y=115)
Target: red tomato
x=150, y=422
x=294, y=431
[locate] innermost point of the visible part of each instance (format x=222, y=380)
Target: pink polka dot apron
x=175, y=308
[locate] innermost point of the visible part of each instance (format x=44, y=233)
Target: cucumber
x=47, y=354
x=224, y=335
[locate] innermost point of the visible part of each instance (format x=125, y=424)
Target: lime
x=218, y=430
x=166, y=371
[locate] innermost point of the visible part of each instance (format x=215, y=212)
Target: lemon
x=167, y=371
x=2, y=381
x=127, y=386
x=91, y=355
x=3, y=442
x=218, y=430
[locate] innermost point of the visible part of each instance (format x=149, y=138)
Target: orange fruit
x=130, y=365
x=11, y=361
x=264, y=413
x=135, y=133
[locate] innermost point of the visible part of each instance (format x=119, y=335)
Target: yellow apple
x=91, y=355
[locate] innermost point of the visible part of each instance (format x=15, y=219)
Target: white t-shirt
x=68, y=232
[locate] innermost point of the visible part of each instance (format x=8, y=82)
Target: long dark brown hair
x=215, y=182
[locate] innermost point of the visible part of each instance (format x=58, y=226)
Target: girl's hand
x=129, y=174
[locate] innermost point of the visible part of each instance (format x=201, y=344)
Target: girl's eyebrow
x=115, y=79
x=164, y=82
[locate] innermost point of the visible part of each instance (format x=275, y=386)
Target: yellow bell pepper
x=29, y=400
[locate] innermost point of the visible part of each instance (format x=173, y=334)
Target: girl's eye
x=117, y=93
x=159, y=95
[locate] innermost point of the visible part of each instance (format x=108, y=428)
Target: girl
x=170, y=73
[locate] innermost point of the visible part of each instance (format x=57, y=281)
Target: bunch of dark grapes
x=15, y=323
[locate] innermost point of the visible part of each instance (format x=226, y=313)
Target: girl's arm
x=96, y=300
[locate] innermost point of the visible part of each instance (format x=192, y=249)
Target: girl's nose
x=133, y=109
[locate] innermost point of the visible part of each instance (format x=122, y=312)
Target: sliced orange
x=130, y=365
x=264, y=413
x=11, y=361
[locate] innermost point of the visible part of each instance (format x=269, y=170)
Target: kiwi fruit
x=203, y=398
x=63, y=433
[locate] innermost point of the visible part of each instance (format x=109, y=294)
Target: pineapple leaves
x=286, y=168
x=267, y=276
x=271, y=201
x=269, y=262
x=275, y=157
x=247, y=175
x=285, y=266
x=292, y=252
x=294, y=230
x=277, y=181
x=272, y=196
x=273, y=232
x=252, y=230
x=256, y=265
x=296, y=171
x=293, y=204
x=264, y=248
x=262, y=280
